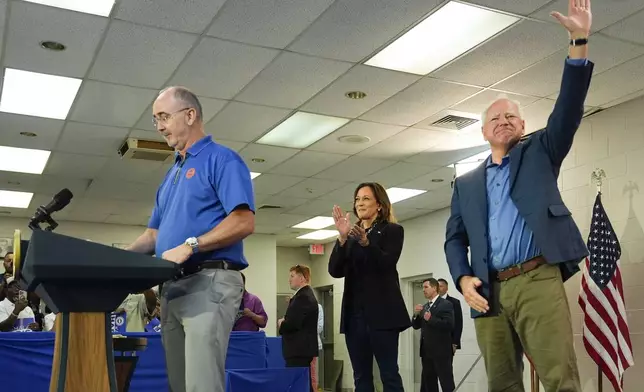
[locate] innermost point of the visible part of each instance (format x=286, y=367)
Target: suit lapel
x=516, y=154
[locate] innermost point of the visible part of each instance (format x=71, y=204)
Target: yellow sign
x=17, y=255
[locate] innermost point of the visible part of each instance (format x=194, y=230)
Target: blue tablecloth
x=274, y=356
x=27, y=357
x=268, y=380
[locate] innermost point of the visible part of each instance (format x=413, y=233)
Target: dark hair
x=386, y=212
x=432, y=282
x=187, y=97
x=303, y=270
x=443, y=280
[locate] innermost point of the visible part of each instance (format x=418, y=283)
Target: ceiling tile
x=291, y=79
x=502, y=56
x=110, y=104
x=605, y=12
x=425, y=181
x=271, y=155
x=133, y=170
x=399, y=173
x=275, y=22
x=419, y=101
x=436, y=199
x=121, y=190
x=245, y=122
x=51, y=185
x=519, y=7
x=379, y=84
x=278, y=220
x=93, y=217
x=48, y=131
x=3, y=20
x=236, y=146
x=114, y=207
x=220, y=69
x=622, y=80
x=30, y=24
x=21, y=182
x=314, y=208
x=270, y=184
x=140, y=56
x=405, y=144
x=286, y=203
x=536, y=115
x=480, y=102
x=403, y=214
x=91, y=139
x=539, y=80
x=629, y=29
x=353, y=169
x=74, y=165
x=449, y=152
x=192, y=17
x=312, y=188
x=307, y=163
x=359, y=26
x=342, y=195
x=374, y=131
x=209, y=107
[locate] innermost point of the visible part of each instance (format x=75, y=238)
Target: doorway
x=412, y=367
x=326, y=359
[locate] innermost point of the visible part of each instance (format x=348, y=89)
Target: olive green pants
x=532, y=316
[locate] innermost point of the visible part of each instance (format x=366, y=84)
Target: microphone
x=43, y=213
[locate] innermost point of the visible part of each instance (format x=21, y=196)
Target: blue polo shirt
x=197, y=194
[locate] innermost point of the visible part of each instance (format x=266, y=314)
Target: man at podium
x=204, y=209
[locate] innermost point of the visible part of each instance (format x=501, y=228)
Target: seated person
x=15, y=314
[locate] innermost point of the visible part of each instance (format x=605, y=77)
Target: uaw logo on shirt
x=118, y=322
x=22, y=324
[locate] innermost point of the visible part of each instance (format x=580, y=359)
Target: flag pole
x=597, y=177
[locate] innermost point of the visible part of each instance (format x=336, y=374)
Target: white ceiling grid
x=253, y=63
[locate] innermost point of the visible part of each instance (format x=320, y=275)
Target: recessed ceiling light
x=28, y=134
x=468, y=164
x=254, y=175
x=319, y=222
x=301, y=130
x=14, y=199
x=355, y=94
x=400, y=194
x=446, y=34
x=53, y=46
x=258, y=160
x=94, y=7
x=23, y=160
x=37, y=94
x=354, y=139
x=437, y=180
x=318, y=235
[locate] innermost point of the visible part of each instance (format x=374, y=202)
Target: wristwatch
x=193, y=243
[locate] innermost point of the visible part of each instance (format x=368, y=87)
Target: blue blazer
x=534, y=168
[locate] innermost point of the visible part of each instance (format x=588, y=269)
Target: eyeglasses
x=165, y=117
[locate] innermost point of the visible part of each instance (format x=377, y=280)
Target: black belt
x=208, y=264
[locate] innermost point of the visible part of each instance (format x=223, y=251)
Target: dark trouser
x=363, y=345
x=533, y=316
x=437, y=369
x=301, y=362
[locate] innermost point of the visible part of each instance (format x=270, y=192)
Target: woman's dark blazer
x=373, y=268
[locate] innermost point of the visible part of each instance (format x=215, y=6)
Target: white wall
x=612, y=140
x=259, y=250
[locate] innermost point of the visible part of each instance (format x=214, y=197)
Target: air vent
x=454, y=123
x=268, y=207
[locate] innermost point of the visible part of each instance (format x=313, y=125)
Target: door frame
x=407, y=337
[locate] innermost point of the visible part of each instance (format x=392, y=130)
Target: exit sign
x=316, y=249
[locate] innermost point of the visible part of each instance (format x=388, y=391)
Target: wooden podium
x=83, y=282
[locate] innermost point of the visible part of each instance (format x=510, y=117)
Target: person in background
x=315, y=368
x=7, y=263
x=458, y=314
x=300, y=323
x=138, y=308
x=15, y=313
x=373, y=310
x=251, y=315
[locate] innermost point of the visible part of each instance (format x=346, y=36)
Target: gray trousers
x=197, y=317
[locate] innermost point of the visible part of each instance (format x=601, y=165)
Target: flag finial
x=598, y=177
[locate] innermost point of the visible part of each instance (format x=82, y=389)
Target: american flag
x=605, y=330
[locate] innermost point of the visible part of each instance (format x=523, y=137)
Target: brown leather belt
x=519, y=269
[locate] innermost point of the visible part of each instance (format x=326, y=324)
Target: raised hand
x=579, y=17
x=342, y=222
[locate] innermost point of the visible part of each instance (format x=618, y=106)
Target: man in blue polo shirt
x=204, y=209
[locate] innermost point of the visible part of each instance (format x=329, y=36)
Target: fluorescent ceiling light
x=319, y=235
x=94, y=7
x=254, y=175
x=14, y=199
x=400, y=194
x=446, y=34
x=319, y=222
x=302, y=129
x=23, y=160
x=468, y=164
x=37, y=94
